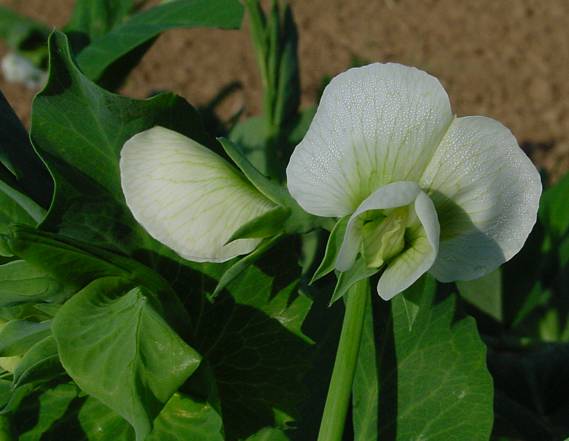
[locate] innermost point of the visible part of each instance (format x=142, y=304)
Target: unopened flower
x=423, y=190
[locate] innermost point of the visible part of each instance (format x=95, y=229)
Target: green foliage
x=126, y=37
x=275, y=40
x=17, y=336
x=51, y=406
x=83, y=152
x=118, y=349
x=554, y=210
x=111, y=36
x=260, y=354
x=106, y=335
x=96, y=19
x=332, y=249
x=429, y=382
x=484, y=293
x=268, y=434
x=22, y=173
x=23, y=34
x=347, y=279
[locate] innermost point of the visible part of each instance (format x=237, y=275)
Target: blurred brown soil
x=508, y=59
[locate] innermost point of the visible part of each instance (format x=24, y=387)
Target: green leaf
x=347, y=279
x=79, y=129
x=17, y=29
x=531, y=383
x=269, y=434
x=411, y=300
x=142, y=27
x=260, y=354
x=365, y=390
x=484, y=293
x=259, y=36
x=333, y=246
x=99, y=423
x=24, y=170
x=39, y=364
x=554, y=210
x=432, y=380
x=96, y=18
x=17, y=208
x=270, y=189
x=184, y=419
x=11, y=399
x=252, y=136
x=24, y=283
x=288, y=89
x=181, y=419
x=17, y=336
x=75, y=264
x=243, y=263
x=49, y=407
x=266, y=225
x=117, y=348
x=300, y=126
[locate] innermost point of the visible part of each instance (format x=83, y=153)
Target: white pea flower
x=19, y=69
x=423, y=189
x=188, y=197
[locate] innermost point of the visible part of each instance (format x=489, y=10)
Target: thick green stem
x=340, y=390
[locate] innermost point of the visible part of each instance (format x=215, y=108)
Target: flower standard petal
x=406, y=268
x=187, y=197
x=375, y=125
x=486, y=192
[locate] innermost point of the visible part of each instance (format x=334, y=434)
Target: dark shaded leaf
x=43, y=412
x=260, y=354
x=24, y=170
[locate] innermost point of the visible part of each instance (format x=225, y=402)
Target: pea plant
x=370, y=268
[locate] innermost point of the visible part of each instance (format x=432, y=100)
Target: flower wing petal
x=375, y=125
x=486, y=191
x=406, y=268
x=393, y=195
x=186, y=196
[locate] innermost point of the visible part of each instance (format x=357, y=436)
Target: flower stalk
x=340, y=390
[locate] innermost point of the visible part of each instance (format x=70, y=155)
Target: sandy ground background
x=508, y=59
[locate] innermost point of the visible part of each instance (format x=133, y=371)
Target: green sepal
x=299, y=221
x=268, y=224
x=347, y=279
x=244, y=263
x=332, y=249
x=412, y=297
x=268, y=188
